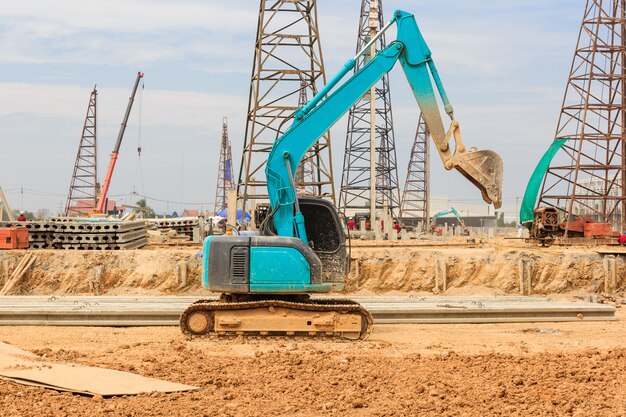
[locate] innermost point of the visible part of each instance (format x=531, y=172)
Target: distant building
x=190, y=213
x=595, y=186
x=84, y=207
x=166, y=214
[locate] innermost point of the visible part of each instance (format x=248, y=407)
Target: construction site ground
x=549, y=369
x=520, y=369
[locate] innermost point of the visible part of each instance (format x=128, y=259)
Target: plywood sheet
x=25, y=368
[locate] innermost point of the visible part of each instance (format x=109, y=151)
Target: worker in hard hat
x=21, y=217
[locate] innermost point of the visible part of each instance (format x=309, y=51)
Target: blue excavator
x=266, y=281
x=452, y=211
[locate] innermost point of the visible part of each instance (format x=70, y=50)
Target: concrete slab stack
x=182, y=225
x=70, y=233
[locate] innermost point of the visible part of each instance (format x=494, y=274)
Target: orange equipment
x=14, y=238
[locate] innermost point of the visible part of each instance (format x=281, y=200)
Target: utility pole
x=83, y=194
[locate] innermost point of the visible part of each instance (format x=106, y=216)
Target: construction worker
x=21, y=217
x=622, y=239
x=396, y=226
x=351, y=224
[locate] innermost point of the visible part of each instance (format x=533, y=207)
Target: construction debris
x=20, y=270
x=186, y=226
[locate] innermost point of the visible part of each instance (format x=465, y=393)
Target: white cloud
x=174, y=108
x=121, y=16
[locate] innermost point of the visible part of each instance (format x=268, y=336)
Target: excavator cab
x=326, y=237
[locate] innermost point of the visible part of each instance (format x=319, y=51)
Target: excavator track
x=334, y=318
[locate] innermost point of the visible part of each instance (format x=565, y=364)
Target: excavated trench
x=374, y=269
x=478, y=269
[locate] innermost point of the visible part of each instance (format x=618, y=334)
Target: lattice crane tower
x=356, y=178
x=416, y=194
x=588, y=175
x=83, y=193
x=287, y=53
x=224, y=171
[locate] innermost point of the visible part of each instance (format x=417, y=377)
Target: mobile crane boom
x=116, y=150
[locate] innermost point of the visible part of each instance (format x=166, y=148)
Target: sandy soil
x=489, y=267
x=548, y=369
x=399, y=267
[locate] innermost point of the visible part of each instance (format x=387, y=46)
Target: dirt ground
x=543, y=369
x=547, y=369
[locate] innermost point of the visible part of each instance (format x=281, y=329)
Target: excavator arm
x=453, y=211
x=481, y=168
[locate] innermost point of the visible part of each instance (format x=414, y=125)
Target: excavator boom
x=481, y=168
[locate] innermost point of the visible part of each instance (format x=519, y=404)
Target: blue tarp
x=246, y=219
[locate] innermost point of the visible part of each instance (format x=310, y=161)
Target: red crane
x=107, y=180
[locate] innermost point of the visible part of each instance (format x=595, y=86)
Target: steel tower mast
x=588, y=175
x=84, y=184
x=416, y=194
x=355, y=181
x=287, y=53
x=224, y=171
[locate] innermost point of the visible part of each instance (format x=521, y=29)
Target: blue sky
x=504, y=64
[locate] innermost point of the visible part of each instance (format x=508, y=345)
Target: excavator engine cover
x=274, y=264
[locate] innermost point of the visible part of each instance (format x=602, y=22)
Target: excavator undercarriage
x=297, y=315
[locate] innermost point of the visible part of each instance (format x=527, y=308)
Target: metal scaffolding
x=84, y=187
x=588, y=176
x=416, y=194
x=356, y=177
x=224, y=171
x=287, y=53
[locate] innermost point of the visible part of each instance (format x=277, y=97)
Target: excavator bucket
x=484, y=170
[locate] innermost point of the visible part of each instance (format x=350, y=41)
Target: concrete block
x=610, y=273
x=181, y=273
x=441, y=274
x=525, y=276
